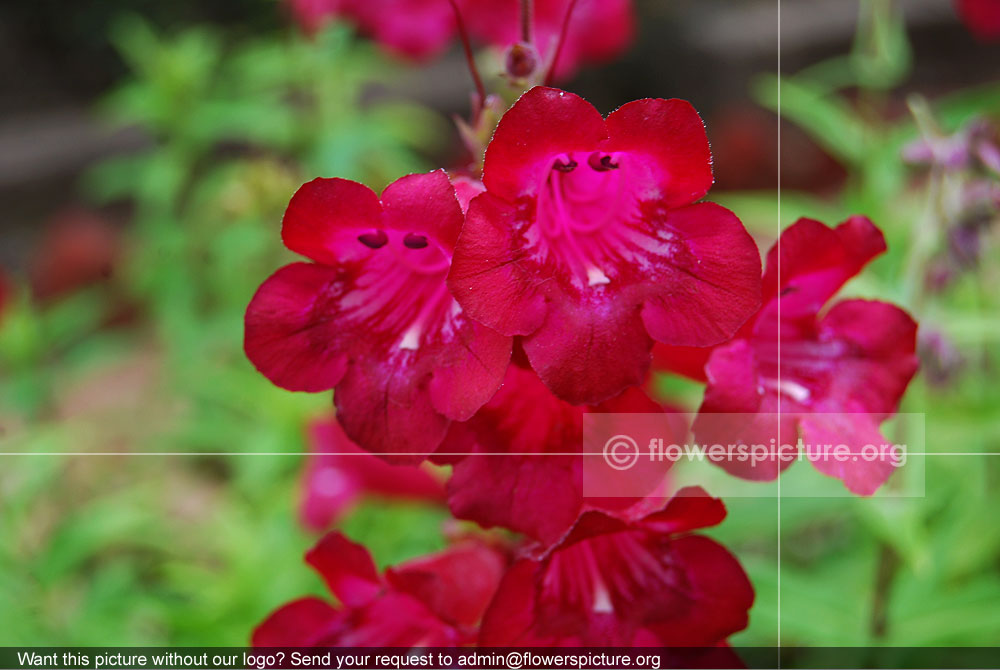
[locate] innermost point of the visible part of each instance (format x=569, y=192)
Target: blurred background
x=147, y=152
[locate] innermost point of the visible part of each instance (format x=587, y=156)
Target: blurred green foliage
x=178, y=550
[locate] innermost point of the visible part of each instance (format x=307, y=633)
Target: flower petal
x=536, y=495
x=714, y=599
x=587, y=353
x=816, y=261
x=289, y=335
x=456, y=584
x=340, y=472
x=690, y=508
x=347, y=568
x=325, y=217
x=425, y=203
x=711, y=281
x=824, y=434
x=486, y=276
x=543, y=124
x=671, y=136
x=510, y=615
x=418, y=29
x=882, y=355
x=300, y=623
x=384, y=406
x=471, y=372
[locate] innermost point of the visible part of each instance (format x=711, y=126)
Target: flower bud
x=521, y=60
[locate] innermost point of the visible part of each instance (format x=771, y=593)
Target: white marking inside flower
x=602, y=599
x=793, y=390
x=595, y=277
x=411, y=338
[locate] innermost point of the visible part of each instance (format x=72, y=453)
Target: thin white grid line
x=779, y=327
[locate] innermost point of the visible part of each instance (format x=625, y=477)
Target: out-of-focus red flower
x=835, y=375
x=372, y=315
x=528, y=476
x=611, y=582
x=339, y=473
x=589, y=243
x=78, y=248
x=6, y=293
x=417, y=29
x=744, y=146
x=598, y=31
x=981, y=17
x=435, y=601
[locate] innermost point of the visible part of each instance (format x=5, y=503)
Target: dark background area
x=56, y=61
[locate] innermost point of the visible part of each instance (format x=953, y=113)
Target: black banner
x=388, y=658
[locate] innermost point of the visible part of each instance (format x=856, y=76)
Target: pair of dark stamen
x=378, y=239
x=597, y=161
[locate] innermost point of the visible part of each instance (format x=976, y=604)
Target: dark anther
x=601, y=163
x=375, y=240
x=414, y=241
x=788, y=289
x=565, y=167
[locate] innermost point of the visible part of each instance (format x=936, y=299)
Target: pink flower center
x=582, y=208
x=401, y=294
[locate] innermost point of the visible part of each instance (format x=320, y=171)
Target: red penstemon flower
x=435, y=601
x=526, y=470
x=372, y=316
x=841, y=372
x=587, y=242
x=339, y=473
x=610, y=582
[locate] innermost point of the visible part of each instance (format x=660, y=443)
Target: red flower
x=840, y=375
x=339, y=473
x=615, y=583
x=981, y=17
x=6, y=293
x=79, y=248
x=433, y=601
x=372, y=315
x=418, y=29
x=530, y=477
x=598, y=31
x=587, y=242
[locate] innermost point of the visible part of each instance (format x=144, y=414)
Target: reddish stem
x=527, y=14
x=559, y=45
x=470, y=60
